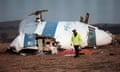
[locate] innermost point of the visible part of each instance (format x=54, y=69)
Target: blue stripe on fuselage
x=29, y=40
x=50, y=29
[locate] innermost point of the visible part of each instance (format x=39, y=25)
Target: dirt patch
x=103, y=59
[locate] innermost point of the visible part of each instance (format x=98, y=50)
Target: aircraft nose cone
x=103, y=38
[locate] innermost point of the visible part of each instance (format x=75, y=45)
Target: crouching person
x=53, y=49
x=46, y=49
x=50, y=47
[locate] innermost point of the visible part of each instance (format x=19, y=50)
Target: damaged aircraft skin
x=60, y=30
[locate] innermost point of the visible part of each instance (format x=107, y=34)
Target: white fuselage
x=61, y=30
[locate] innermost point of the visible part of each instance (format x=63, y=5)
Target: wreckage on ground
x=35, y=33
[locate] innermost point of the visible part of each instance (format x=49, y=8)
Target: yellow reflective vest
x=76, y=40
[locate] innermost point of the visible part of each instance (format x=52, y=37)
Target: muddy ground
x=103, y=59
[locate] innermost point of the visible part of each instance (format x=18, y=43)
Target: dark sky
x=101, y=11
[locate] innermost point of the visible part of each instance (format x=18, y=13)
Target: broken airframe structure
x=35, y=33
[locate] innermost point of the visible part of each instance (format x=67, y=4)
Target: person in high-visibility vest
x=76, y=41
